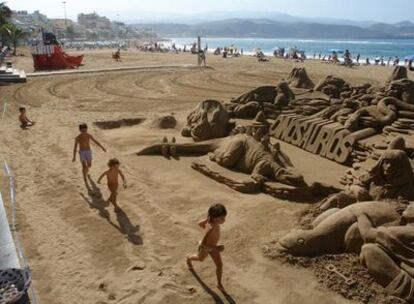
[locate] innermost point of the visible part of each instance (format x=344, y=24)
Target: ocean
x=368, y=48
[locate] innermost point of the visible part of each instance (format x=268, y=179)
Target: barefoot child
x=25, y=122
x=85, y=153
x=112, y=178
x=208, y=245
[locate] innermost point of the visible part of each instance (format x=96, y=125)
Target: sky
x=124, y=10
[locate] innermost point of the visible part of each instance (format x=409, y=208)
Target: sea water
x=367, y=48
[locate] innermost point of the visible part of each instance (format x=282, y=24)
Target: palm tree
x=5, y=14
x=13, y=33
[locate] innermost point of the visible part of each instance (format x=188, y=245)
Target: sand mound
x=163, y=122
x=114, y=124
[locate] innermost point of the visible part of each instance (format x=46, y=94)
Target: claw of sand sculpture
x=337, y=232
x=208, y=120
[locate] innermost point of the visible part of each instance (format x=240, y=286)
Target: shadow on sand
x=213, y=294
x=96, y=201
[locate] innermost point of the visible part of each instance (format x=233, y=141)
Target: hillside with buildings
x=87, y=27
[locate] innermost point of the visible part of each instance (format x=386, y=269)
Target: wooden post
x=198, y=50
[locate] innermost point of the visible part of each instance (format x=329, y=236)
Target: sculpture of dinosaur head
x=301, y=243
x=207, y=121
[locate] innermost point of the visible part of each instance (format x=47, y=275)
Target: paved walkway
x=127, y=68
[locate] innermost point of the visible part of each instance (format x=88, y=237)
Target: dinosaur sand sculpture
x=338, y=231
x=208, y=120
x=250, y=154
x=269, y=168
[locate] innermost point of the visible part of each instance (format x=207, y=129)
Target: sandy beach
x=81, y=252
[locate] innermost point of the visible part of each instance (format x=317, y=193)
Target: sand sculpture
x=374, y=230
x=246, y=153
x=391, y=178
x=388, y=254
x=398, y=73
x=334, y=118
x=268, y=98
x=337, y=231
x=208, y=120
x=298, y=78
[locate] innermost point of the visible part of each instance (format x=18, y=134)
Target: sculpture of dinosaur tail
x=173, y=149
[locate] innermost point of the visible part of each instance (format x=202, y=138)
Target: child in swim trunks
x=208, y=245
x=112, y=179
x=25, y=122
x=85, y=153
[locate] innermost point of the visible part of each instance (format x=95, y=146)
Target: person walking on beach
x=216, y=216
x=357, y=58
x=202, y=55
x=85, y=153
x=396, y=61
x=112, y=180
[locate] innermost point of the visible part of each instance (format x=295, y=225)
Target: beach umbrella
x=339, y=51
x=411, y=57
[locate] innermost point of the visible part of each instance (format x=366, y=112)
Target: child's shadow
x=214, y=295
x=96, y=201
x=126, y=227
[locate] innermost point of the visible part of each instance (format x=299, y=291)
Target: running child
x=85, y=153
x=208, y=245
x=112, y=180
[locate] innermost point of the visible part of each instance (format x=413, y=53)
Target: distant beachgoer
x=347, y=58
x=396, y=61
x=406, y=61
x=377, y=60
x=410, y=65
x=357, y=58
x=382, y=61
x=241, y=51
x=389, y=61
x=112, y=180
x=320, y=55
x=85, y=152
x=25, y=122
x=208, y=245
x=203, y=57
x=367, y=62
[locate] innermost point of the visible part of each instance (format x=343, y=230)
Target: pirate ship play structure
x=48, y=54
